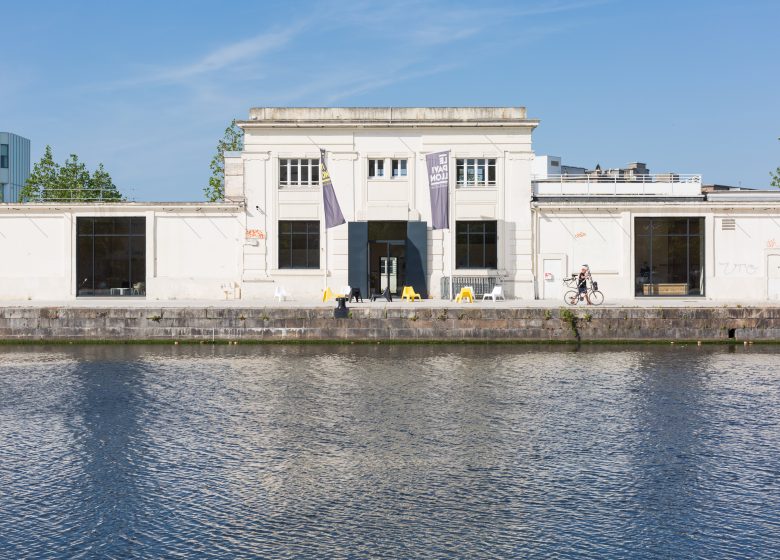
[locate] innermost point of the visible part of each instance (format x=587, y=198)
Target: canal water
x=389, y=452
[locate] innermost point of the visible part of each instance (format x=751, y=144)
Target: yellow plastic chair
x=409, y=294
x=466, y=293
x=327, y=294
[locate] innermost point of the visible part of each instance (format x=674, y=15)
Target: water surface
x=389, y=452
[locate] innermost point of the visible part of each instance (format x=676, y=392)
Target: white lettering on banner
x=438, y=172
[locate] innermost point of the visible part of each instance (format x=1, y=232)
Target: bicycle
x=573, y=296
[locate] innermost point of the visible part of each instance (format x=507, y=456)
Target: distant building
x=546, y=167
x=14, y=165
x=722, y=188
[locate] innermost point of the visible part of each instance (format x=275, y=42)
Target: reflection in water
x=385, y=451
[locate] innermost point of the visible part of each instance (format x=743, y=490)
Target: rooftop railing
x=77, y=196
x=664, y=184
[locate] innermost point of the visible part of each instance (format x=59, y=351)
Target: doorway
x=773, y=277
x=552, y=283
x=387, y=265
x=386, y=256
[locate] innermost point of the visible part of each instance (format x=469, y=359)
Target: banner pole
x=325, y=276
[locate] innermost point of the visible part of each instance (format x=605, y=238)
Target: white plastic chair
x=281, y=294
x=497, y=293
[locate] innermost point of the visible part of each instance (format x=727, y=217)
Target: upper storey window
x=377, y=168
x=476, y=172
x=299, y=172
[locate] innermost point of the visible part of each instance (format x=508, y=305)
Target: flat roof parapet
x=387, y=116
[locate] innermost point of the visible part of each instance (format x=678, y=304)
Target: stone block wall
x=376, y=324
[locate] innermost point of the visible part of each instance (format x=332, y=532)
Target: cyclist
x=582, y=283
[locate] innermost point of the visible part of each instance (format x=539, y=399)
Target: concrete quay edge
x=454, y=324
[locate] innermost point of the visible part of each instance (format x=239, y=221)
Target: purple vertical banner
x=439, y=182
x=333, y=215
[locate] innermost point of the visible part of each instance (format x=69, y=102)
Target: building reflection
x=111, y=501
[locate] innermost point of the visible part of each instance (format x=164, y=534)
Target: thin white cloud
x=427, y=24
x=222, y=58
x=401, y=75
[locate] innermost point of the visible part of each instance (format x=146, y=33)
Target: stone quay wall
x=388, y=324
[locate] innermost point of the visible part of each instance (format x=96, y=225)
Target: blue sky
x=148, y=87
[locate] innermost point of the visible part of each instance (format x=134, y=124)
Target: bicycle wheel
x=572, y=297
x=596, y=297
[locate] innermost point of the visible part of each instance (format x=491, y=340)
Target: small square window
x=376, y=168
x=399, y=168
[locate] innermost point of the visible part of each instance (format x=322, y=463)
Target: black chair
x=355, y=293
x=386, y=294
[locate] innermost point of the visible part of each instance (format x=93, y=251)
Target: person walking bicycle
x=582, y=283
x=586, y=288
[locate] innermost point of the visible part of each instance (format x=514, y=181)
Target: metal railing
x=609, y=178
x=481, y=284
x=662, y=183
x=77, y=196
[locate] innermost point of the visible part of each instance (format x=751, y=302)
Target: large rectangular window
x=476, y=245
x=299, y=172
x=299, y=244
x=476, y=172
x=111, y=256
x=669, y=256
x=3, y=156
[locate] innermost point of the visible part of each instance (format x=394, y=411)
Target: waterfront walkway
x=309, y=303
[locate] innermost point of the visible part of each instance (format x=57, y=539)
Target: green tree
x=68, y=182
x=231, y=141
x=775, y=178
x=102, y=187
x=73, y=180
x=42, y=179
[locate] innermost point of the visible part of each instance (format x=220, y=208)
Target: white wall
x=34, y=256
x=194, y=256
x=739, y=259
x=191, y=251
x=599, y=239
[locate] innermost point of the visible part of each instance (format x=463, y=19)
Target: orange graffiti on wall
x=255, y=234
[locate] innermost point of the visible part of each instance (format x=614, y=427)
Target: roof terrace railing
x=664, y=184
x=77, y=195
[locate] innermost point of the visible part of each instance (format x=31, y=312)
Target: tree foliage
x=231, y=141
x=775, y=178
x=71, y=181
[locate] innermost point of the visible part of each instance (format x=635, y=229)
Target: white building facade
x=512, y=221
x=376, y=160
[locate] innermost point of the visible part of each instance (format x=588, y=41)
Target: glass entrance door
x=389, y=273
x=387, y=265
